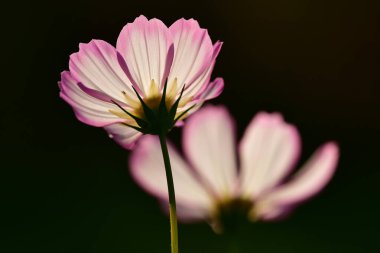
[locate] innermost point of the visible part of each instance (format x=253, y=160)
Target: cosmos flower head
x=209, y=184
x=154, y=78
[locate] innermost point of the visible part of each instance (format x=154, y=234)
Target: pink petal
x=99, y=95
x=124, y=66
x=189, y=109
x=168, y=65
x=193, y=51
x=88, y=109
x=209, y=144
x=147, y=168
x=96, y=66
x=144, y=45
x=123, y=135
x=213, y=89
x=199, y=84
x=310, y=180
x=271, y=213
x=268, y=152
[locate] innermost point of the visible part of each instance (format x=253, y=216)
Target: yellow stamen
x=120, y=114
x=184, y=101
x=152, y=100
x=153, y=90
x=130, y=100
x=172, y=91
x=128, y=119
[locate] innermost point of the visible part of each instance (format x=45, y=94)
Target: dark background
x=65, y=187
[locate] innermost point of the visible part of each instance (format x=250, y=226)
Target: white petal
x=268, y=152
x=199, y=85
x=193, y=51
x=88, y=109
x=144, y=45
x=147, y=168
x=96, y=66
x=310, y=180
x=123, y=135
x=263, y=210
x=209, y=143
x=213, y=90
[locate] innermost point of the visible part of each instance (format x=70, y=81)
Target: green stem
x=172, y=204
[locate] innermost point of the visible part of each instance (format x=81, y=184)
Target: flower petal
x=96, y=66
x=213, y=89
x=193, y=51
x=209, y=144
x=310, y=180
x=88, y=109
x=123, y=135
x=266, y=212
x=268, y=152
x=100, y=95
x=147, y=168
x=198, y=85
x=144, y=45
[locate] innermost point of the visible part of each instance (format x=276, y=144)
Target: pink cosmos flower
x=210, y=183
x=122, y=88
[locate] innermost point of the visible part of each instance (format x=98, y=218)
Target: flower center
x=156, y=111
x=153, y=103
x=153, y=98
x=230, y=213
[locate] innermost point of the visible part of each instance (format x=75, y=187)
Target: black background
x=65, y=186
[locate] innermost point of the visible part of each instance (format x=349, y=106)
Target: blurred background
x=65, y=186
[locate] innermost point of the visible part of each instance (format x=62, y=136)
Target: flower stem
x=172, y=204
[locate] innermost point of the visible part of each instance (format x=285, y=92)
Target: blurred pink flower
x=210, y=183
x=104, y=83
